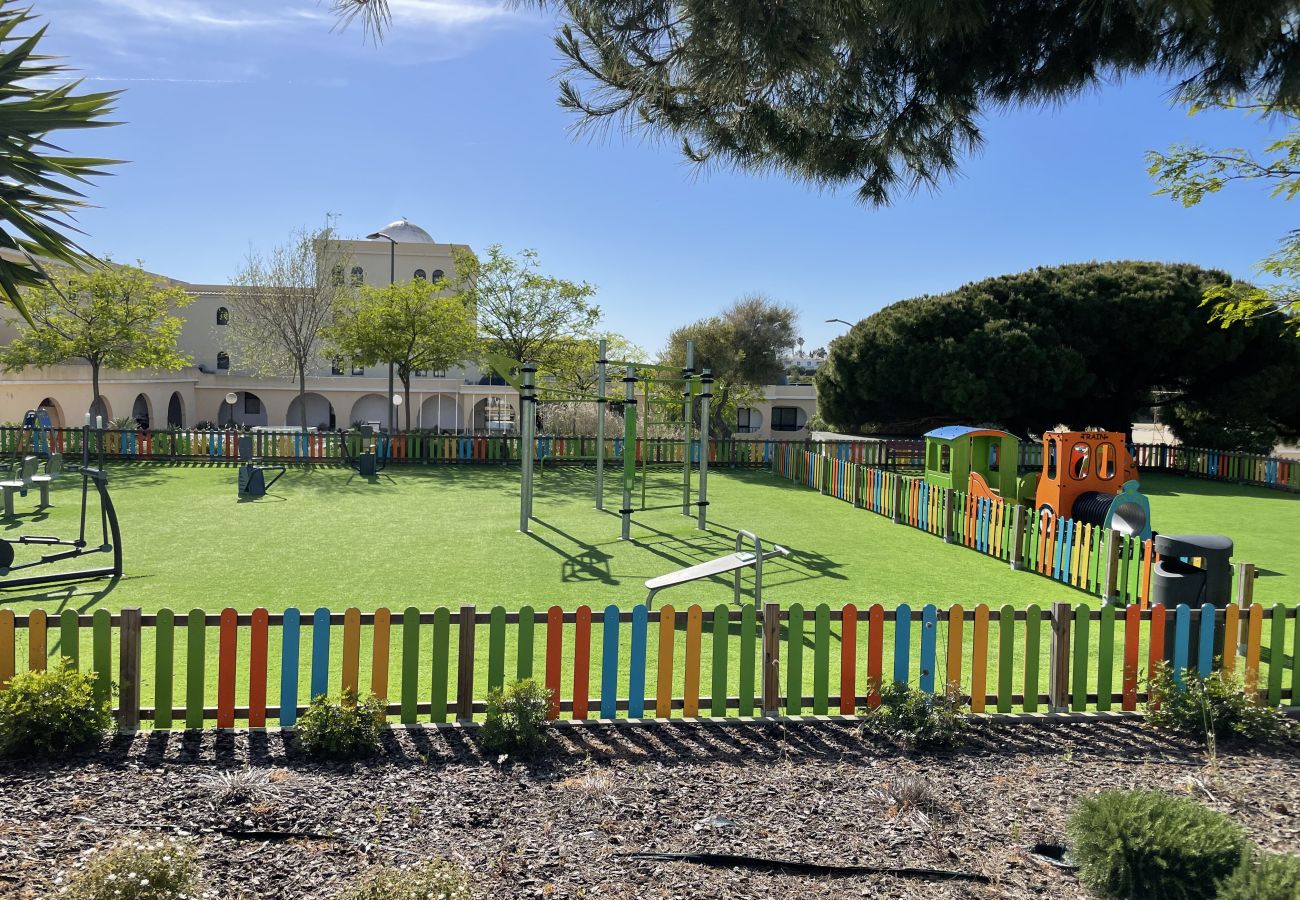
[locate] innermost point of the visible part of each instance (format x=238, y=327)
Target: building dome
x=404, y=232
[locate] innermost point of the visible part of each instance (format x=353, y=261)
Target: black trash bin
x=1176, y=580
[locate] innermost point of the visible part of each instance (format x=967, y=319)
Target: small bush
x=1144, y=844
x=436, y=878
x=908, y=717
x=343, y=728
x=516, y=719
x=163, y=869
x=50, y=713
x=1215, y=706
x=1269, y=876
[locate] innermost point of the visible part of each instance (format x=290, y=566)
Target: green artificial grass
x=429, y=536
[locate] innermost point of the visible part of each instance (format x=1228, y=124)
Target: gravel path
x=810, y=792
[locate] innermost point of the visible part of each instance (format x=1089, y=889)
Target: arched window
x=438, y=274
x=336, y=276
x=358, y=274
x=223, y=360
x=223, y=316
x=419, y=273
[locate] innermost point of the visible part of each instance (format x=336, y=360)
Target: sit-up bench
x=732, y=562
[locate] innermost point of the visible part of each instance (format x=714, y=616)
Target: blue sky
x=248, y=118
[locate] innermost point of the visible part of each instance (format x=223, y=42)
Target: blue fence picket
x=929, y=639
x=320, y=653
x=1182, y=639
x=636, y=672
x=290, y=634
x=902, y=643
x=609, y=665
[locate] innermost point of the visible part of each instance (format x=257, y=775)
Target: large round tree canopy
x=1090, y=344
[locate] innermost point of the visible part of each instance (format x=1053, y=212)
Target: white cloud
x=445, y=13
x=195, y=14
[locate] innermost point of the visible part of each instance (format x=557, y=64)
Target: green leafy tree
x=1189, y=173
x=38, y=182
x=415, y=325
x=887, y=95
x=1088, y=345
x=282, y=305
x=742, y=347
x=114, y=317
x=523, y=313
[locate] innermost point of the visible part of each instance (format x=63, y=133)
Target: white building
x=457, y=400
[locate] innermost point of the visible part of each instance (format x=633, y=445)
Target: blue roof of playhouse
x=952, y=432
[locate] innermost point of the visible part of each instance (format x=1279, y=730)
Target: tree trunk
x=406, y=398
x=94, y=387
x=302, y=397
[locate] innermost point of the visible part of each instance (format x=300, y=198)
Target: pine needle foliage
x=1145, y=845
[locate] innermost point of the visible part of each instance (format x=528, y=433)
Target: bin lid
x=1192, y=544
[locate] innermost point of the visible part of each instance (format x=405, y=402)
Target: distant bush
x=53, y=712
x=909, y=717
x=1212, y=705
x=516, y=719
x=342, y=728
x=436, y=878
x=1268, y=876
x=1145, y=844
x=162, y=869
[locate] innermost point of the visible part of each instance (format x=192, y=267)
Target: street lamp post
x=841, y=321
x=392, y=279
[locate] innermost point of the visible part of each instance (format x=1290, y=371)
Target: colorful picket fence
x=1277, y=472
x=1080, y=555
x=260, y=668
x=410, y=447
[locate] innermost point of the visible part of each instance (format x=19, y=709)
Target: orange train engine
x=1089, y=476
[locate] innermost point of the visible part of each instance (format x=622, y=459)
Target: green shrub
x=1146, y=845
x=909, y=717
x=343, y=728
x=1269, y=876
x=160, y=869
x=516, y=719
x=52, y=712
x=1214, y=705
x=436, y=878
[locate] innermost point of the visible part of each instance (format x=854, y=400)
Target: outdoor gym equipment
x=252, y=479
x=732, y=562
x=361, y=452
x=523, y=376
x=110, y=540
x=1088, y=476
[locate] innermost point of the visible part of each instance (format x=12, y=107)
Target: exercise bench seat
x=27, y=478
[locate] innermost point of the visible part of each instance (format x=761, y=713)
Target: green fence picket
x=794, y=660
x=70, y=636
x=527, y=619
x=101, y=651
x=1006, y=655
x=1105, y=656
x=410, y=665
x=441, y=640
x=1079, y=680
x=496, y=648
x=1277, y=654
x=821, y=658
x=164, y=651
x=196, y=632
x=718, y=688
x=747, y=636
x=1033, y=625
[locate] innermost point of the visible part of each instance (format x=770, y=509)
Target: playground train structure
x=1087, y=476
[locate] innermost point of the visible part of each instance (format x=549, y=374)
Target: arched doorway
x=140, y=412
x=248, y=409
x=494, y=415
x=176, y=411
x=369, y=409
x=51, y=406
x=101, y=408
x=320, y=412
x=441, y=412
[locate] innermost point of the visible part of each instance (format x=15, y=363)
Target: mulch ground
x=813, y=792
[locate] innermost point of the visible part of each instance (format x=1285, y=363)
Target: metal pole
x=629, y=450
x=706, y=391
x=645, y=435
x=528, y=412
x=688, y=374
x=601, y=381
